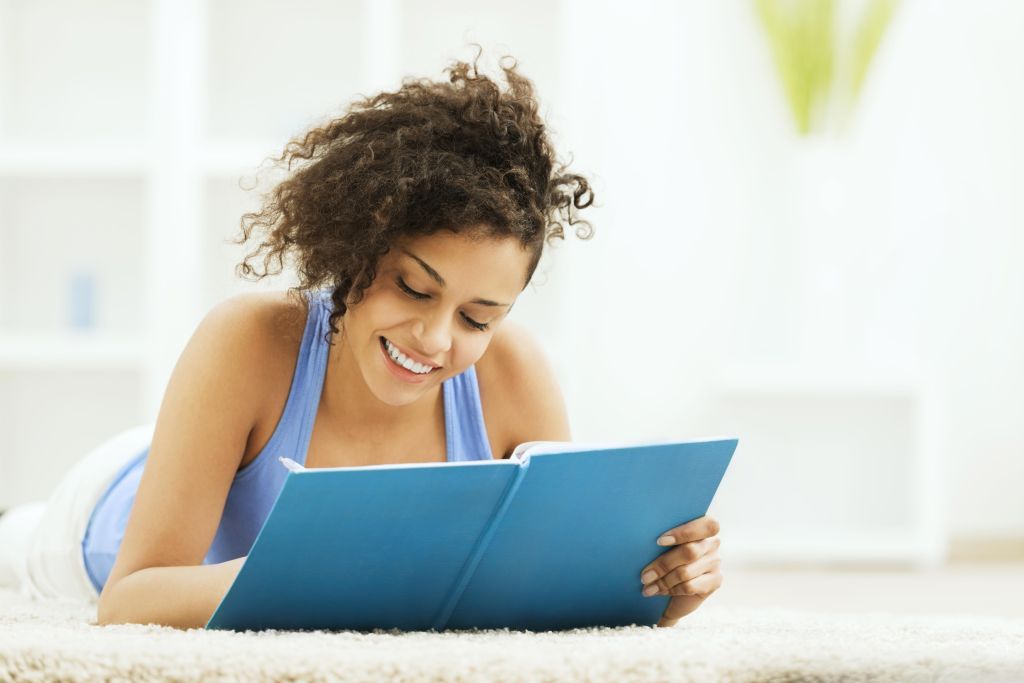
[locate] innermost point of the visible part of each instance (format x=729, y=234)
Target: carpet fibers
x=57, y=642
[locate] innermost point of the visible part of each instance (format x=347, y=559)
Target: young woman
x=414, y=222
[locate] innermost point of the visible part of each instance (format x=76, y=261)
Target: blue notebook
x=552, y=538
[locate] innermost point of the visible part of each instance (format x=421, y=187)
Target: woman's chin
x=397, y=393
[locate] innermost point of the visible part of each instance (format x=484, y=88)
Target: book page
x=524, y=450
x=296, y=467
x=519, y=454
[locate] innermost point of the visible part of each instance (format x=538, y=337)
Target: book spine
x=448, y=605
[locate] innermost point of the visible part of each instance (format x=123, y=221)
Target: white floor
x=995, y=589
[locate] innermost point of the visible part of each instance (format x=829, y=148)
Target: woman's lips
x=415, y=357
x=400, y=372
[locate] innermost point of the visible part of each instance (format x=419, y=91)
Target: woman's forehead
x=501, y=262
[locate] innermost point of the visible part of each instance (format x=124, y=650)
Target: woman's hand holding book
x=689, y=572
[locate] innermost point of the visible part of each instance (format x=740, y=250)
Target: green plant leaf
x=866, y=40
x=802, y=38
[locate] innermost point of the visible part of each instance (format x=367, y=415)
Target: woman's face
x=436, y=301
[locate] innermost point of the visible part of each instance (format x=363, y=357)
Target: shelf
x=83, y=350
x=71, y=248
x=124, y=159
x=20, y=159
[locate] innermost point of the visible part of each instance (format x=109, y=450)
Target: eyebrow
x=436, y=277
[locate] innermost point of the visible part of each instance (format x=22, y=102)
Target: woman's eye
x=420, y=295
x=474, y=324
x=411, y=292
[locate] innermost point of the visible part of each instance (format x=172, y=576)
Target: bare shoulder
x=263, y=325
x=519, y=391
x=271, y=315
x=243, y=331
x=268, y=328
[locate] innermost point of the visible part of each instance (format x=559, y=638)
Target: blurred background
x=809, y=233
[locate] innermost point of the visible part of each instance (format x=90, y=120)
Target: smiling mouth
x=384, y=347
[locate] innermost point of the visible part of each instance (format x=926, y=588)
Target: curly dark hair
x=460, y=155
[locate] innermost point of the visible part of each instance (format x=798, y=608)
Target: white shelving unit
x=125, y=127
x=844, y=466
x=27, y=160
x=74, y=183
x=71, y=351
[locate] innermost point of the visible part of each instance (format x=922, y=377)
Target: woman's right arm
x=183, y=597
x=208, y=411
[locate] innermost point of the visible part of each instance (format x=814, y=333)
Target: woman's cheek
x=396, y=307
x=471, y=350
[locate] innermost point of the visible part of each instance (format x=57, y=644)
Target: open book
x=552, y=538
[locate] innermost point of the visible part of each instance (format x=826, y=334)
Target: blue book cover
x=552, y=538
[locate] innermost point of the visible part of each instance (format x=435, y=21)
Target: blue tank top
x=255, y=486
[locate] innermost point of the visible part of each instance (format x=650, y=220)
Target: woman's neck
x=353, y=409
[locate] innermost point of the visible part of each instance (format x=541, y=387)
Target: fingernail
x=650, y=590
x=666, y=540
x=649, y=576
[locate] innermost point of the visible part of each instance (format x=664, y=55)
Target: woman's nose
x=434, y=334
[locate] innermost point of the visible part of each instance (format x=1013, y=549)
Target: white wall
x=722, y=239
x=961, y=71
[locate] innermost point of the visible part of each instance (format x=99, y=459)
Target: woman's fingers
x=689, y=572
x=678, y=557
x=703, y=585
x=694, y=530
x=679, y=607
x=679, y=581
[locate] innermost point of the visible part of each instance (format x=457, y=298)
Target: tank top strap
x=308, y=381
x=465, y=431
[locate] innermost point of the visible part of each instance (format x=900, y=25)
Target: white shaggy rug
x=54, y=641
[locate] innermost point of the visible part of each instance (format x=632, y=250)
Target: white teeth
x=406, y=362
